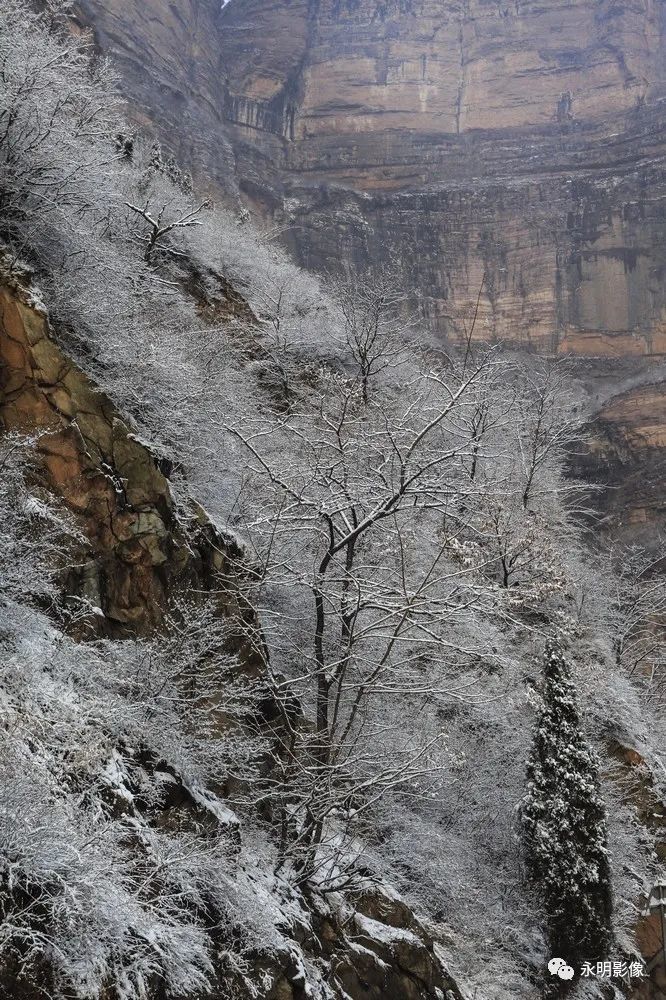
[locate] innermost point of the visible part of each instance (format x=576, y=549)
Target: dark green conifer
x=564, y=824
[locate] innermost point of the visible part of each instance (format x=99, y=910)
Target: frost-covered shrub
x=48, y=125
x=114, y=848
x=36, y=533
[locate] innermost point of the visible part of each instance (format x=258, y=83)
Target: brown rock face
x=513, y=145
x=141, y=549
x=169, y=64
x=624, y=444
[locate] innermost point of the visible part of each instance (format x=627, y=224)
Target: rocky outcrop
x=512, y=148
x=371, y=947
x=390, y=954
x=647, y=799
x=141, y=548
x=623, y=448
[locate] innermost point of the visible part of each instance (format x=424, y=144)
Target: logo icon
x=558, y=967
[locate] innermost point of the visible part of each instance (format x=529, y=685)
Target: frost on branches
x=564, y=823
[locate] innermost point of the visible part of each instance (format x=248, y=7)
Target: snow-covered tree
x=634, y=617
x=373, y=307
x=58, y=112
x=355, y=509
x=564, y=823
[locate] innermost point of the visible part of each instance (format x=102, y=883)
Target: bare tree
x=357, y=507
x=520, y=433
x=548, y=424
x=376, y=323
x=160, y=224
x=636, y=617
x=58, y=113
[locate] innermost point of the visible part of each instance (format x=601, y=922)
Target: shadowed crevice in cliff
x=623, y=450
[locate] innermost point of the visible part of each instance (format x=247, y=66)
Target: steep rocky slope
x=164, y=751
x=142, y=549
x=138, y=551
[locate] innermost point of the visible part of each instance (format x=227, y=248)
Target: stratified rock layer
x=512, y=148
x=509, y=146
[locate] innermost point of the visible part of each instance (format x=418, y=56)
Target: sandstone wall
x=512, y=146
x=169, y=65
x=515, y=148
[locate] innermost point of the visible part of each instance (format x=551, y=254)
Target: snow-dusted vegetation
x=175, y=822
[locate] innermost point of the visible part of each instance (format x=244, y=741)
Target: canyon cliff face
x=513, y=148
x=508, y=148
x=505, y=154
x=506, y=158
